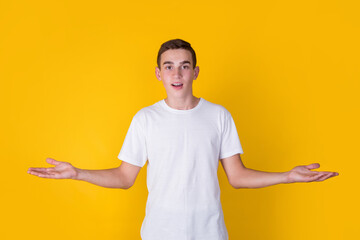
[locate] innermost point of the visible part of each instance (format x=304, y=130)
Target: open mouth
x=177, y=85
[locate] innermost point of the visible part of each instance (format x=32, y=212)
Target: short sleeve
x=134, y=149
x=230, y=142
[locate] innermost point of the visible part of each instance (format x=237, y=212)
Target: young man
x=182, y=138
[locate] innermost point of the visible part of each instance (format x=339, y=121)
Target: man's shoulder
x=216, y=107
x=150, y=108
x=145, y=110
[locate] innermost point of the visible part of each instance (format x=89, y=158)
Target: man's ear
x=157, y=73
x=196, y=72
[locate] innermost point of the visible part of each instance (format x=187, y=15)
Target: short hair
x=176, y=44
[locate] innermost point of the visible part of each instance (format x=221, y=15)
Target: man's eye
x=167, y=67
x=186, y=66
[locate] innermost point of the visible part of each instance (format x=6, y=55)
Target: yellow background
x=73, y=74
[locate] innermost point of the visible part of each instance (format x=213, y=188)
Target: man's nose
x=177, y=72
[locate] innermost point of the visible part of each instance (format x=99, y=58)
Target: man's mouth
x=177, y=85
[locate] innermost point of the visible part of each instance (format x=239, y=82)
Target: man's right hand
x=121, y=177
x=62, y=170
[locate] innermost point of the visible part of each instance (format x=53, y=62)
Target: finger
x=323, y=178
x=52, y=161
x=327, y=172
x=42, y=170
x=313, y=166
x=37, y=170
x=326, y=176
x=36, y=173
x=335, y=173
x=316, y=177
x=43, y=175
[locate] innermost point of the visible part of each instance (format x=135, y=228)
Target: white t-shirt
x=183, y=148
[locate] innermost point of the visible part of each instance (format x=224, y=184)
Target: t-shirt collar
x=167, y=107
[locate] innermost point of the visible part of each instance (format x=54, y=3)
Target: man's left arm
x=241, y=177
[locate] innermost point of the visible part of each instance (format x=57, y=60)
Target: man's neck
x=182, y=103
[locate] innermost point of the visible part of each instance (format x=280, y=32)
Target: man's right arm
x=123, y=176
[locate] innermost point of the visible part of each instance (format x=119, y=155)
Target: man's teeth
x=176, y=84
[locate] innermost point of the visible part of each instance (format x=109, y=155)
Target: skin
x=176, y=66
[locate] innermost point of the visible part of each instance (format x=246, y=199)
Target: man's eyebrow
x=169, y=62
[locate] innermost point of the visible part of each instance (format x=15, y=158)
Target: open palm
x=304, y=174
x=61, y=170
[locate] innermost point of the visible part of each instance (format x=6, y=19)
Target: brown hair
x=176, y=44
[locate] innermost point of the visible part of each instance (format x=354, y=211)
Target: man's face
x=177, y=69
